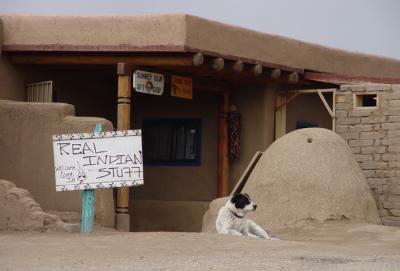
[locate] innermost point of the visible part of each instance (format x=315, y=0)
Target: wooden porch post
x=122, y=219
x=280, y=114
x=223, y=159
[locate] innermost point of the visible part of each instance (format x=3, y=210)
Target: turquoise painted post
x=87, y=211
x=88, y=201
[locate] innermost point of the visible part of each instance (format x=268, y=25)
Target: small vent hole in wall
x=366, y=100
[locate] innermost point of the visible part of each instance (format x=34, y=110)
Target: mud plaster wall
x=167, y=188
x=12, y=84
x=81, y=31
x=167, y=215
x=256, y=105
x=27, y=157
x=374, y=137
x=92, y=92
x=19, y=211
x=174, y=198
x=308, y=108
x=181, y=183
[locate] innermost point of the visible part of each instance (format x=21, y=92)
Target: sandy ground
x=331, y=246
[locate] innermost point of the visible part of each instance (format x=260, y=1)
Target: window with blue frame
x=171, y=141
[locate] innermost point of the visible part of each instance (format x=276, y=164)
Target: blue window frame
x=173, y=142
x=305, y=124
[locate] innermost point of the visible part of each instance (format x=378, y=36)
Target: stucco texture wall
x=181, y=183
x=92, y=91
x=81, y=31
x=308, y=108
x=27, y=158
x=19, y=211
x=166, y=188
x=172, y=194
x=256, y=105
x=292, y=187
x=70, y=85
x=12, y=85
x=175, y=198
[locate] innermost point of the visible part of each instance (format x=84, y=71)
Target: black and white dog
x=232, y=218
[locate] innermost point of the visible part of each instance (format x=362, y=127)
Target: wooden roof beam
x=348, y=79
x=257, y=69
x=104, y=59
x=218, y=63
x=275, y=74
x=198, y=59
x=291, y=78
x=238, y=66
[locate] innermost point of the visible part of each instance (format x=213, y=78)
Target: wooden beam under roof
x=229, y=74
x=195, y=63
x=136, y=58
x=218, y=63
x=106, y=59
x=238, y=66
x=257, y=69
x=126, y=49
x=275, y=74
x=246, y=60
x=348, y=79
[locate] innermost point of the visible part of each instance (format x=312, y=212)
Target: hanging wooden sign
x=181, y=87
x=98, y=160
x=148, y=82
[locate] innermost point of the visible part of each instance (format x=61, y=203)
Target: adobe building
x=55, y=67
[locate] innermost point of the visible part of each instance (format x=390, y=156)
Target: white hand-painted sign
x=104, y=160
x=148, y=82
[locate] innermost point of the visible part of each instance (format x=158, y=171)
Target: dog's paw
x=231, y=232
x=253, y=235
x=273, y=238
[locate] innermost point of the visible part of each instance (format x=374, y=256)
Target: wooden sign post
x=89, y=161
x=88, y=200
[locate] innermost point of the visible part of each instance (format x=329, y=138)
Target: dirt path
x=323, y=247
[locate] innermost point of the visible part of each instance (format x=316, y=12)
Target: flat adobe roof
x=183, y=33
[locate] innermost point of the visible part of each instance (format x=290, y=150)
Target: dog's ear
x=240, y=201
x=235, y=198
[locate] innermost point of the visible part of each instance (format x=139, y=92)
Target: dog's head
x=241, y=204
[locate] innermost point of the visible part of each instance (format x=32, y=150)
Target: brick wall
x=374, y=137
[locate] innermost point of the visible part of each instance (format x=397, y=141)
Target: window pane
x=190, y=150
x=157, y=138
x=169, y=141
x=180, y=142
x=369, y=100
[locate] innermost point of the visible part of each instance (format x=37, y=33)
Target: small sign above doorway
x=181, y=87
x=148, y=82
